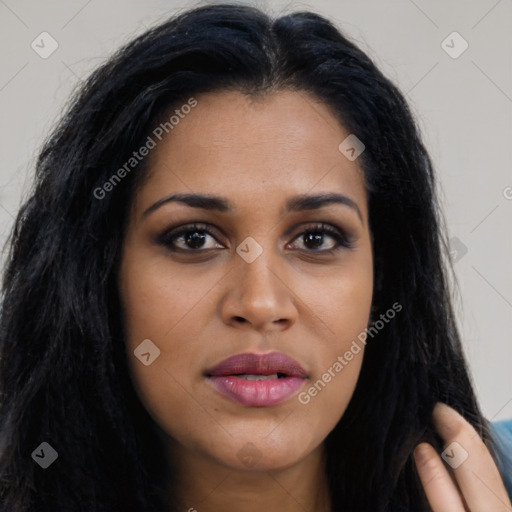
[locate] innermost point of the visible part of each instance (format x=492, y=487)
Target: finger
x=473, y=466
x=441, y=492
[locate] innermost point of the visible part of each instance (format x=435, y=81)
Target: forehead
x=258, y=149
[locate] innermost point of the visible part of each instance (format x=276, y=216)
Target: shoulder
x=502, y=431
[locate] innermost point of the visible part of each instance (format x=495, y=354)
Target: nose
x=259, y=296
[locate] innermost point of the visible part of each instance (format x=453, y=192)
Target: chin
x=263, y=455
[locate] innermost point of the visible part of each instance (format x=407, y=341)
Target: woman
x=227, y=290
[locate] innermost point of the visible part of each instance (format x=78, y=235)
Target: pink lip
x=226, y=378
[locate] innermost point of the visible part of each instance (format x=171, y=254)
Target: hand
x=473, y=482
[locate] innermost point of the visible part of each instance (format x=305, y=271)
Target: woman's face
x=257, y=275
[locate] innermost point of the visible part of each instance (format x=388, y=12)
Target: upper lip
x=258, y=364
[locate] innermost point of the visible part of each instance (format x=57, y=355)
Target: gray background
x=463, y=105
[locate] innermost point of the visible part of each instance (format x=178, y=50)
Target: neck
x=205, y=485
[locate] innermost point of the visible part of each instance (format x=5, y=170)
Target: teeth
x=258, y=377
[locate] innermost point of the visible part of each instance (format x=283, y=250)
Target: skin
x=202, y=305
x=475, y=484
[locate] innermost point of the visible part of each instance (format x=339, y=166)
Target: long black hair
x=63, y=369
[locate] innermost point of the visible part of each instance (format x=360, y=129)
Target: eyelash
x=169, y=237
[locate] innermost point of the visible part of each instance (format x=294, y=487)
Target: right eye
x=189, y=238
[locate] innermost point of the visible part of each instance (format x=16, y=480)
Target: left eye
x=314, y=238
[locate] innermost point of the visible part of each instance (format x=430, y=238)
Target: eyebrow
x=221, y=204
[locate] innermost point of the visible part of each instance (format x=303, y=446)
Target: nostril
x=240, y=319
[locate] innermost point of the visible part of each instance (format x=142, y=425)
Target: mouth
x=256, y=376
x=257, y=380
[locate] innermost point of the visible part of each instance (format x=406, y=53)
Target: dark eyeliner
x=341, y=238
x=168, y=237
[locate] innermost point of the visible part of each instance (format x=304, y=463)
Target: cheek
x=342, y=307
x=157, y=302
x=160, y=308
x=323, y=402
x=340, y=302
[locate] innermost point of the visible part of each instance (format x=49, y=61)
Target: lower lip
x=256, y=393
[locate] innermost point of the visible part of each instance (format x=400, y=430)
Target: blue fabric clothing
x=502, y=431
